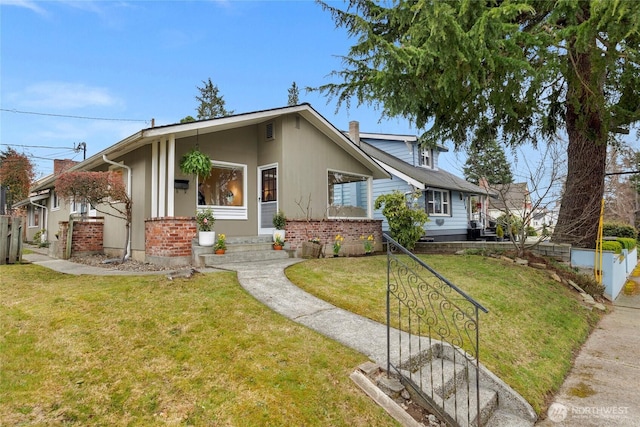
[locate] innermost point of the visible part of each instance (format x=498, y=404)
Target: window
x=269, y=191
x=425, y=159
x=55, y=201
x=78, y=207
x=34, y=216
x=438, y=202
x=225, y=190
x=348, y=195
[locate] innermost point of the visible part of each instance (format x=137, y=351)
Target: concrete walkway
x=602, y=389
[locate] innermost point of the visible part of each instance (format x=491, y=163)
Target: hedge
x=615, y=229
x=612, y=245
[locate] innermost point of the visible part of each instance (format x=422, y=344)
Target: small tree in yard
x=16, y=174
x=98, y=189
x=544, y=180
x=405, y=223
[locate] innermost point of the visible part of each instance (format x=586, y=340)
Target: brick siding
x=87, y=237
x=170, y=236
x=299, y=231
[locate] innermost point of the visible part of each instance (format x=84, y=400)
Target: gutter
x=44, y=221
x=128, y=168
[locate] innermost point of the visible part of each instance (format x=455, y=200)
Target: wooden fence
x=10, y=239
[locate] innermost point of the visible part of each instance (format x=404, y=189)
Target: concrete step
x=441, y=376
x=502, y=418
x=458, y=403
x=212, y=260
x=239, y=249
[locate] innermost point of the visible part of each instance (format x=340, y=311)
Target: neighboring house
x=511, y=199
x=454, y=205
x=279, y=159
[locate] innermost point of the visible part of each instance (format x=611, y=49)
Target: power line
x=37, y=146
x=72, y=117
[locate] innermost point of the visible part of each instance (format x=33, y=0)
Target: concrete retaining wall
x=560, y=252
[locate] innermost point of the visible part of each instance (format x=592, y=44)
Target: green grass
x=528, y=338
x=145, y=351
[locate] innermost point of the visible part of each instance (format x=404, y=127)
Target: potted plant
x=205, y=220
x=278, y=243
x=279, y=222
x=311, y=248
x=195, y=162
x=221, y=245
x=499, y=233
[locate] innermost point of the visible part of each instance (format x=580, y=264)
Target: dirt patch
x=111, y=263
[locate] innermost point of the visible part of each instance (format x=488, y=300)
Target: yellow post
x=597, y=266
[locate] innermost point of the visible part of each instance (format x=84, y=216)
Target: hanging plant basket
x=195, y=162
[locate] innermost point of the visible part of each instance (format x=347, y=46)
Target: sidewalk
x=603, y=387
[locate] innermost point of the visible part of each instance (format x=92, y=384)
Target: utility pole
x=84, y=148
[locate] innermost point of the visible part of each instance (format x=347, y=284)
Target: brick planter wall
x=168, y=240
x=87, y=237
x=299, y=231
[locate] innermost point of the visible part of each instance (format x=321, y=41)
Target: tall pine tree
x=521, y=69
x=212, y=104
x=489, y=162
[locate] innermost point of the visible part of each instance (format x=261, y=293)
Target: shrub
x=619, y=230
x=531, y=231
x=406, y=224
x=627, y=243
x=612, y=245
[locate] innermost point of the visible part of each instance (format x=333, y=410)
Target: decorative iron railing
x=433, y=338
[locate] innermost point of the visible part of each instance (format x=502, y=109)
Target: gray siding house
x=457, y=209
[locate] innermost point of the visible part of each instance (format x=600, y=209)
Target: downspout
x=128, y=168
x=44, y=220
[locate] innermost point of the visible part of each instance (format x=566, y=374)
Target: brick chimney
x=354, y=131
x=61, y=165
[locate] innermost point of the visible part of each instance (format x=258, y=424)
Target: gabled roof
x=429, y=178
x=201, y=127
x=513, y=196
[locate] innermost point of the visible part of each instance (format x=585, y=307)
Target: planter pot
x=206, y=238
x=311, y=250
x=277, y=247
x=220, y=251
x=280, y=232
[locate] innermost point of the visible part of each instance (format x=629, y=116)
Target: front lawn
x=146, y=351
x=528, y=338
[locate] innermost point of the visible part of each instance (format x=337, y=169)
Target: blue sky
x=137, y=60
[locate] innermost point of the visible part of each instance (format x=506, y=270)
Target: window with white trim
x=348, y=195
x=426, y=158
x=225, y=190
x=34, y=216
x=438, y=202
x=55, y=201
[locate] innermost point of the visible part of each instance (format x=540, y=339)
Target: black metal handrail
x=437, y=336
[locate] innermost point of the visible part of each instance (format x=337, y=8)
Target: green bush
x=531, y=231
x=406, y=223
x=627, y=243
x=612, y=245
x=615, y=229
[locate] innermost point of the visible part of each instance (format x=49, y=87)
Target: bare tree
x=533, y=207
x=620, y=193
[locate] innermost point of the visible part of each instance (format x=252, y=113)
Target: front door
x=267, y=197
